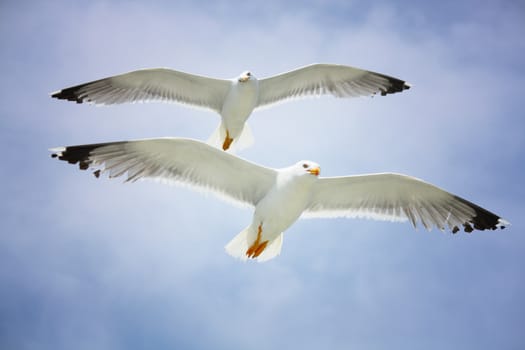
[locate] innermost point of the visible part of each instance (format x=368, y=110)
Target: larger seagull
x=233, y=99
x=281, y=196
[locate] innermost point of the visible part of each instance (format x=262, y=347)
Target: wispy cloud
x=92, y=263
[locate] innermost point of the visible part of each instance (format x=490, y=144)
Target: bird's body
x=234, y=99
x=238, y=105
x=279, y=208
x=282, y=205
x=280, y=196
x=287, y=199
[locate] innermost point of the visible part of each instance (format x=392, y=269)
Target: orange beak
x=315, y=171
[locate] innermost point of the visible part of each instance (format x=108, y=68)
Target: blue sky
x=97, y=264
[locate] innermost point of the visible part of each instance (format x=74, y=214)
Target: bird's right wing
x=157, y=84
x=326, y=79
x=397, y=197
x=180, y=160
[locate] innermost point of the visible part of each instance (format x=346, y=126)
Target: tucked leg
x=227, y=141
x=257, y=247
x=260, y=249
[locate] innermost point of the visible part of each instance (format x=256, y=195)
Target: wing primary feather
x=182, y=161
x=390, y=196
x=410, y=215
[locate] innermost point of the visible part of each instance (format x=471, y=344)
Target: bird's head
x=245, y=76
x=306, y=167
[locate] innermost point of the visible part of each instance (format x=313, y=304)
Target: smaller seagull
x=280, y=196
x=233, y=99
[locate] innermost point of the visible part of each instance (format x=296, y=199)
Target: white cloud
x=145, y=262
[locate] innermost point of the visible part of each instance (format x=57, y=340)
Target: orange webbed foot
x=227, y=141
x=260, y=249
x=257, y=247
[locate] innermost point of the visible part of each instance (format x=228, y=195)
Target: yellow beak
x=315, y=171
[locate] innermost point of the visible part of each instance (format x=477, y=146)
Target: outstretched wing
x=180, y=160
x=324, y=79
x=398, y=197
x=157, y=84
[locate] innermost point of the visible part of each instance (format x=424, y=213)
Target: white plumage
x=280, y=196
x=233, y=99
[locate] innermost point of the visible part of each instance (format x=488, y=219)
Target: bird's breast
x=240, y=101
x=283, y=205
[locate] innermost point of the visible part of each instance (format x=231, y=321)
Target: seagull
x=280, y=196
x=233, y=99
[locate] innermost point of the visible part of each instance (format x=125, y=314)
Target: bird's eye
x=305, y=165
x=249, y=74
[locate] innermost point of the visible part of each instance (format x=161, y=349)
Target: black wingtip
x=76, y=154
x=79, y=155
x=482, y=220
x=69, y=94
x=396, y=85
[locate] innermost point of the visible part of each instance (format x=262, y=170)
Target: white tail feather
x=272, y=249
x=238, y=246
x=217, y=137
x=244, y=140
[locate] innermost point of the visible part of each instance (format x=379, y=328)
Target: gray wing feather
x=179, y=160
x=327, y=79
x=157, y=84
x=398, y=197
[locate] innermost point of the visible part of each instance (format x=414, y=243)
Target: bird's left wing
x=180, y=160
x=397, y=197
x=324, y=79
x=154, y=84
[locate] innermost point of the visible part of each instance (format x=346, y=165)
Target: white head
x=245, y=76
x=303, y=172
x=307, y=167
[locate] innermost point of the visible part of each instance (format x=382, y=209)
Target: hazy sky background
x=91, y=263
